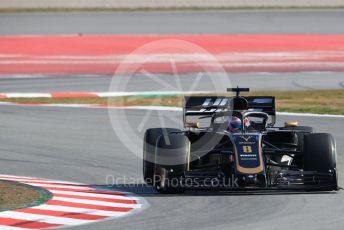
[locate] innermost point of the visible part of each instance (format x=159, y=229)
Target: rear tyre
x=321, y=155
x=171, y=161
x=149, y=146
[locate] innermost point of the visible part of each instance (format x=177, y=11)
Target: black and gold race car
x=209, y=154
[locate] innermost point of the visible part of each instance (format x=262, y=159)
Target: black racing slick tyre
x=149, y=146
x=321, y=155
x=171, y=162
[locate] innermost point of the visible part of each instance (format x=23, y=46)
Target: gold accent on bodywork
x=247, y=149
x=291, y=124
x=189, y=155
x=192, y=125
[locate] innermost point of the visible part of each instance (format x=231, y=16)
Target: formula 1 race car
x=210, y=152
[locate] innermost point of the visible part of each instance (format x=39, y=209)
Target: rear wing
x=264, y=104
x=201, y=106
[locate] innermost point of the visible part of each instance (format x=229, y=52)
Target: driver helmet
x=234, y=124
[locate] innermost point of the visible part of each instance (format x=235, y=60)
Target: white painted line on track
x=82, y=194
x=20, y=177
x=103, y=203
x=4, y=227
x=309, y=115
x=156, y=108
x=81, y=187
x=178, y=109
x=27, y=95
x=97, y=94
x=78, y=210
x=28, y=180
x=43, y=218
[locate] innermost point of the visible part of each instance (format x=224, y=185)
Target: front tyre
x=171, y=160
x=166, y=184
x=321, y=155
x=149, y=146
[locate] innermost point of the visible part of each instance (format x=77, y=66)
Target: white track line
x=316, y=56
x=156, y=108
x=43, y=218
x=61, y=186
x=98, y=94
x=94, y=202
x=27, y=95
x=26, y=180
x=12, y=176
x=97, y=195
x=309, y=115
x=79, y=210
x=178, y=109
x=4, y=227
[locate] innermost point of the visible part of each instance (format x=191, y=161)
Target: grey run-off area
x=151, y=4
x=211, y=22
x=140, y=82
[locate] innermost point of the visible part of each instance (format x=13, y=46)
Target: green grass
x=307, y=101
x=15, y=195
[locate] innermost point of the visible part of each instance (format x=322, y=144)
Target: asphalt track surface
x=80, y=145
x=141, y=82
x=226, y=22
